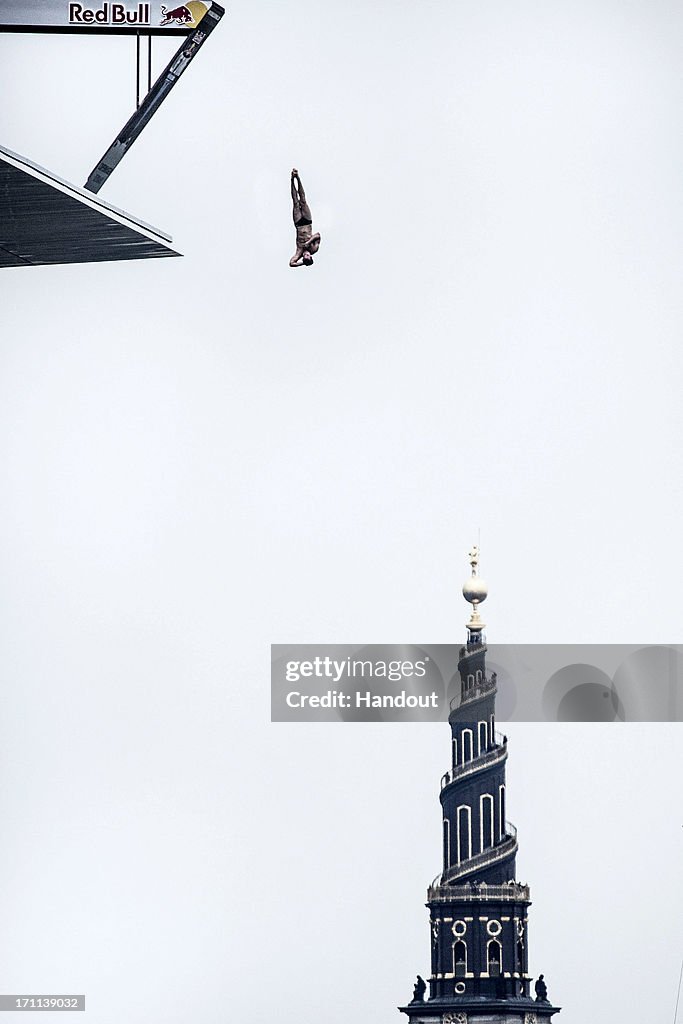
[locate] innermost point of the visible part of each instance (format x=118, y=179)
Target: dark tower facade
x=478, y=912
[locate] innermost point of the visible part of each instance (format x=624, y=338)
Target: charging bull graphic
x=189, y=14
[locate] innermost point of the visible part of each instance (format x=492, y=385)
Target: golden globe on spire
x=475, y=590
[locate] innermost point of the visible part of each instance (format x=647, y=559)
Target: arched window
x=466, y=740
x=464, y=833
x=521, y=968
x=492, y=734
x=470, y=681
x=478, y=675
x=485, y=821
x=494, y=957
x=481, y=738
x=501, y=811
x=455, y=753
x=446, y=844
x=459, y=959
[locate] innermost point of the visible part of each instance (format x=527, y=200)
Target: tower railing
x=437, y=893
x=486, y=760
x=506, y=848
x=480, y=689
x=473, y=645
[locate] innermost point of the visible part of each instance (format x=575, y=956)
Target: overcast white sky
x=202, y=456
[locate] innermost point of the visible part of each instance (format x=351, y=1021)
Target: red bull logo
x=109, y=14
x=189, y=14
x=179, y=15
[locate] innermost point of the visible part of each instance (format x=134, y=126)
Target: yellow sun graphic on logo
x=197, y=9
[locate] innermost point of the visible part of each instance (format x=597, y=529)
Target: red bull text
x=109, y=14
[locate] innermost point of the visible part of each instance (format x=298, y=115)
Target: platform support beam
x=143, y=63
x=154, y=98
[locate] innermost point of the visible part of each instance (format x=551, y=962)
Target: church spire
x=478, y=912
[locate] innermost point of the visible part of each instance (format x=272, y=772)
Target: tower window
x=494, y=958
x=446, y=844
x=464, y=833
x=466, y=740
x=482, y=738
x=485, y=821
x=459, y=959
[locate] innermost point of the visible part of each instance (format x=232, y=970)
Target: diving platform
x=46, y=220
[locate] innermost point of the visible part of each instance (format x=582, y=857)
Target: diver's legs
x=301, y=210
x=306, y=217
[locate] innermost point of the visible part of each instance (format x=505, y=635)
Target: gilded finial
x=474, y=590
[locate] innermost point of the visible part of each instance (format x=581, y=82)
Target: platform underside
x=45, y=220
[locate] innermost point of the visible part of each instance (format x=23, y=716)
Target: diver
x=307, y=243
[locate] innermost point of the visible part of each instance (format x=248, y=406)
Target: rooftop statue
x=541, y=990
x=419, y=990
